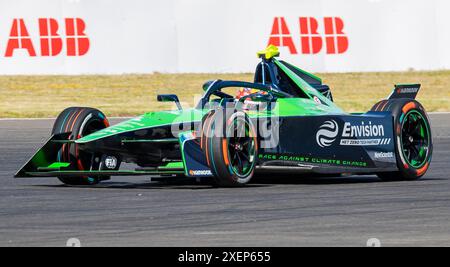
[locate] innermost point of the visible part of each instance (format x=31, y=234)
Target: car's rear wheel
x=80, y=122
x=231, y=148
x=413, y=140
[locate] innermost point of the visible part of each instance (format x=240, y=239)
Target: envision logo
x=327, y=133
x=364, y=134
x=363, y=130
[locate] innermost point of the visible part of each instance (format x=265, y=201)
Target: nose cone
x=149, y=120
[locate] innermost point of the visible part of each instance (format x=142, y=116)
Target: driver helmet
x=243, y=92
x=249, y=104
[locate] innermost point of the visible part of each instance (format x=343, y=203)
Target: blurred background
x=118, y=55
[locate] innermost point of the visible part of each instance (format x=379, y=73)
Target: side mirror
x=170, y=98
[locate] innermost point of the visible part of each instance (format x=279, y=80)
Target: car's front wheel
x=231, y=148
x=79, y=122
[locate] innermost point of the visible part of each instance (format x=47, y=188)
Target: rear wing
x=409, y=91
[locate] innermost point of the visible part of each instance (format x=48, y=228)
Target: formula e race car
x=283, y=122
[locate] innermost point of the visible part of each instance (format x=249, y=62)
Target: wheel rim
x=241, y=147
x=415, y=139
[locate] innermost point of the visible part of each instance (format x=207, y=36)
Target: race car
x=283, y=122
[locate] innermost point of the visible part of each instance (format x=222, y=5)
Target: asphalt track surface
x=276, y=211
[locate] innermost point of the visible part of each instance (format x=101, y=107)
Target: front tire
x=413, y=140
x=231, y=148
x=80, y=122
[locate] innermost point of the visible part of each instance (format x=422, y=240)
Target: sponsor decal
x=200, y=173
x=363, y=130
x=327, y=133
x=111, y=162
x=313, y=160
x=408, y=90
x=384, y=155
x=51, y=38
x=332, y=39
x=365, y=142
x=364, y=134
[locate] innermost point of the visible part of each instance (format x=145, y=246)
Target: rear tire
x=231, y=148
x=413, y=139
x=80, y=122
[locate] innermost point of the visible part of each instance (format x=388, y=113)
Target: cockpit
x=273, y=79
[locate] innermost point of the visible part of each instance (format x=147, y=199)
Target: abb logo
x=311, y=41
x=51, y=42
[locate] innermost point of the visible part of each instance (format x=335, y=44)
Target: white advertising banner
x=215, y=36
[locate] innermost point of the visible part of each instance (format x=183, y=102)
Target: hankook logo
x=200, y=173
x=327, y=133
x=408, y=90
